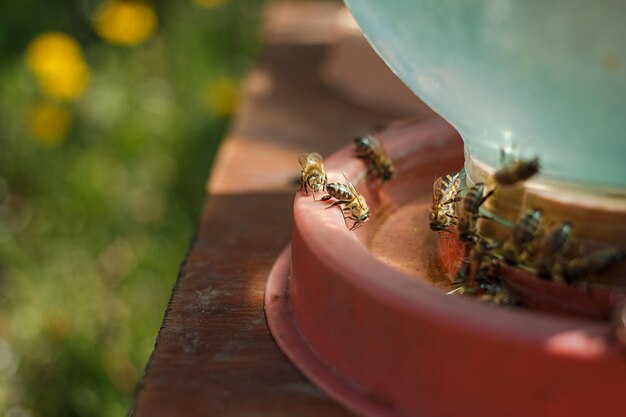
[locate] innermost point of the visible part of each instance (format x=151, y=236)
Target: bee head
x=362, y=142
x=532, y=166
x=316, y=182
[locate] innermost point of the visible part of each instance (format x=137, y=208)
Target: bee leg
x=461, y=289
x=336, y=203
x=326, y=197
x=464, y=269
x=333, y=204
x=345, y=219
x=457, y=289
x=356, y=225
x=489, y=194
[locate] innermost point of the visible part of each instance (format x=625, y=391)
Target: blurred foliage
x=110, y=115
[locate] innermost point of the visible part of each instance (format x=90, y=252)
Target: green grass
x=93, y=230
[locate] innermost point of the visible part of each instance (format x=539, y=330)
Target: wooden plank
x=214, y=354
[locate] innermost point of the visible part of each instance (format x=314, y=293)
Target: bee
x=489, y=272
x=354, y=205
x=445, y=195
x=479, y=274
x=595, y=263
x=516, y=172
x=550, y=247
x=524, y=232
x=369, y=149
x=477, y=260
x=312, y=174
x=470, y=212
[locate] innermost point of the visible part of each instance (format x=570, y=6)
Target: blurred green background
x=110, y=115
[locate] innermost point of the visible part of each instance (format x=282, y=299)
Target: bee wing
x=302, y=158
x=350, y=186
x=363, y=203
x=450, y=180
x=314, y=157
x=452, y=187
x=357, y=196
x=437, y=189
x=375, y=142
x=456, y=180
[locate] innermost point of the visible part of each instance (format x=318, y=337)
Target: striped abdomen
x=340, y=191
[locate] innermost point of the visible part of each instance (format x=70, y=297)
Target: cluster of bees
x=352, y=204
x=550, y=253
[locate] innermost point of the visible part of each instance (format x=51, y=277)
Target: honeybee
x=313, y=174
x=596, y=263
x=478, y=258
x=445, y=194
x=549, y=248
x=516, y=172
x=369, y=149
x=354, y=204
x=470, y=212
x=524, y=232
x=479, y=274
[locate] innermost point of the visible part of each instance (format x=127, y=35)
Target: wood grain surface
x=214, y=355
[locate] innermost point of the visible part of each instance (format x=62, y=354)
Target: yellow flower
x=222, y=96
x=57, y=61
x=49, y=122
x=209, y=4
x=125, y=22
